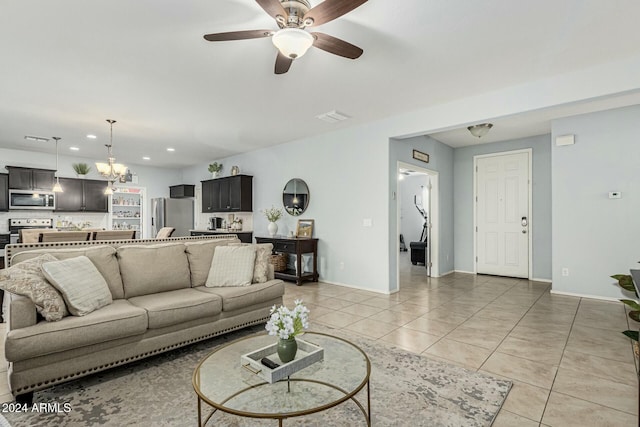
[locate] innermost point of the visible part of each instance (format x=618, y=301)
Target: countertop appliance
x=176, y=213
x=32, y=199
x=215, y=223
x=17, y=224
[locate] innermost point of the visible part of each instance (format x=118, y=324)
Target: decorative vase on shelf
x=273, y=229
x=215, y=174
x=287, y=349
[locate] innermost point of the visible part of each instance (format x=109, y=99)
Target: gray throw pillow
x=26, y=278
x=80, y=283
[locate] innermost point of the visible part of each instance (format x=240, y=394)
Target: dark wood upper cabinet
x=94, y=198
x=70, y=200
x=4, y=192
x=30, y=179
x=229, y=194
x=82, y=195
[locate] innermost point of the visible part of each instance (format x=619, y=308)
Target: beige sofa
x=159, y=303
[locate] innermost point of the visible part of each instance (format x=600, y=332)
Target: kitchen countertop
x=222, y=231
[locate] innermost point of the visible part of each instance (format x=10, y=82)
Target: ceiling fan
x=292, y=41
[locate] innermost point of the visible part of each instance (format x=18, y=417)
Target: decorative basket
x=279, y=262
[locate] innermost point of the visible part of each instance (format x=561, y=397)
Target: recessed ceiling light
x=171, y=149
x=146, y=158
x=74, y=148
x=36, y=138
x=90, y=136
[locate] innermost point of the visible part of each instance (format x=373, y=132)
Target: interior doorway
x=417, y=190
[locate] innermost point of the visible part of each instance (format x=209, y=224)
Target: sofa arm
x=19, y=312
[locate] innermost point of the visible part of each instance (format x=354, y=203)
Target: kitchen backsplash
x=202, y=219
x=89, y=220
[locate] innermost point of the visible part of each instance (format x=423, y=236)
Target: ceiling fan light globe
x=292, y=42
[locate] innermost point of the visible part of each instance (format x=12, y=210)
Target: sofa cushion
x=82, y=286
x=232, y=266
x=26, y=278
x=118, y=320
x=200, y=255
x=173, y=307
x=102, y=256
x=235, y=297
x=153, y=268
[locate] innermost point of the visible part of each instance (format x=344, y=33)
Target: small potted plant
x=273, y=214
x=215, y=169
x=625, y=281
x=81, y=169
x=286, y=325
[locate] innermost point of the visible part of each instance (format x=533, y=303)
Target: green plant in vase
x=215, y=169
x=81, y=169
x=625, y=281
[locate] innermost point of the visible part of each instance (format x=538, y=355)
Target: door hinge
x=476, y=199
x=476, y=229
x=476, y=259
x=476, y=169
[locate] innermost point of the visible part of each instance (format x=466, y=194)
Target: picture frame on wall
x=305, y=228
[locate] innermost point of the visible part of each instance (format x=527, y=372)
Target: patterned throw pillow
x=232, y=266
x=80, y=283
x=26, y=278
x=261, y=267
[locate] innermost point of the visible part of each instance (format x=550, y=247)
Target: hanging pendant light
x=111, y=170
x=57, y=188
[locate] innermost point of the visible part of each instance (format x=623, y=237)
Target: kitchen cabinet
x=229, y=194
x=30, y=179
x=182, y=191
x=82, y=195
x=4, y=192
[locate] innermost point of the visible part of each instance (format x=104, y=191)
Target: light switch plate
x=367, y=222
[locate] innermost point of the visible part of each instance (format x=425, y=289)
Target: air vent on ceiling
x=36, y=138
x=333, y=117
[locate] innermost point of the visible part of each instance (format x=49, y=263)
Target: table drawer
x=287, y=247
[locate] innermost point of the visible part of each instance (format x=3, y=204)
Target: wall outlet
x=367, y=222
x=341, y=265
x=565, y=272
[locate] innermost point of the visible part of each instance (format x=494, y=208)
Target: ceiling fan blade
x=336, y=46
x=282, y=63
x=273, y=8
x=238, y=35
x=329, y=10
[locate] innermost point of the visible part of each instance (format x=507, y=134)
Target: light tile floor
x=566, y=357
x=569, y=363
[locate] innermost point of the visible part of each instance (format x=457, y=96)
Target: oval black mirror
x=295, y=197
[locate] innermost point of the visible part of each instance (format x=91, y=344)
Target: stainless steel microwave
x=28, y=199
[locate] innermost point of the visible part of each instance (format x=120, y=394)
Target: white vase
x=273, y=229
x=215, y=174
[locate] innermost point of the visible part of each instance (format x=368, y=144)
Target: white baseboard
x=446, y=272
x=572, y=294
x=541, y=280
x=464, y=272
x=358, y=287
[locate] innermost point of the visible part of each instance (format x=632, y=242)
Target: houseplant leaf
x=632, y=334
x=626, y=282
x=631, y=303
x=635, y=315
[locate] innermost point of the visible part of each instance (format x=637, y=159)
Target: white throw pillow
x=232, y=266
x=80, y=283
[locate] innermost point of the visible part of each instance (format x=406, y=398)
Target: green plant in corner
x=81, y=168
x=215, y=167
x=625, y=281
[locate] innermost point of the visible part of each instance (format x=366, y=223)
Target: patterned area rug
x=406, y=389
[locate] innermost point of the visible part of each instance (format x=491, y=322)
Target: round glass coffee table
x=223, y=383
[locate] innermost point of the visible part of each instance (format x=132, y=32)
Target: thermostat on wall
x=615, y=195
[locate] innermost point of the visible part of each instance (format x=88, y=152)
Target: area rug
x=406, y=389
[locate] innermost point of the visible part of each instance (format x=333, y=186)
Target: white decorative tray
x=307, y=355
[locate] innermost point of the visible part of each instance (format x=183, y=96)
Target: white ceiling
x=67, y=65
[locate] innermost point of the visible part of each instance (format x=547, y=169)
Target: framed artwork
x=419, y=155
x=305, y=228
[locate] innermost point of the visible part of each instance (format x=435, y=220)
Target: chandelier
x=111, y=170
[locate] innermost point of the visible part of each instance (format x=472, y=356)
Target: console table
x=297, y=246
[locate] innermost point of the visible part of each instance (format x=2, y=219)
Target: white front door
x=502, y=215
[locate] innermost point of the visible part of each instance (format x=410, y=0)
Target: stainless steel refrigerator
x=176, y=213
